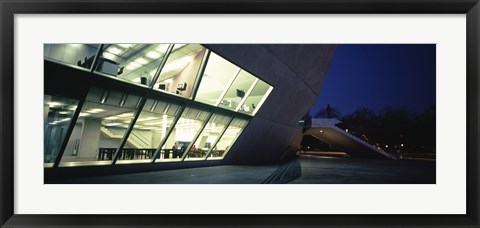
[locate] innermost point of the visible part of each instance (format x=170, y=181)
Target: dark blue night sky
x=375, y=76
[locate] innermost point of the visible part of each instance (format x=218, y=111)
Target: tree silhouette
x=395, y=127
x=322, y=113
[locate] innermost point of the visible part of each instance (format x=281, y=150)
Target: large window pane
x=182, y=134
x=181, y=69
x=77, y=55
x=136, y=63
x=208, y=137
x=219, y=74
x=255, y=99
x=150, y=129
x=58, y=112
x=228, y=138
x=243, y=83
x=100, y=128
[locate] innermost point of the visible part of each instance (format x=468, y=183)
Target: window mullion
x=246, y=95
x=219, y=137
x=164, y=140
x=227, y=88
x=189, y=148
x=160, y=67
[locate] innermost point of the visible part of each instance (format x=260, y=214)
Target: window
x=100, y=128
x=136, y=63
x=181, y=136
x=208, y=137
x=180, y=71
x=150, y=129
x=76, y=55
x=228, y=138
x=219, y=74
x=256, y=98
x=167, y=129
x=238, y=91
x=58, y=113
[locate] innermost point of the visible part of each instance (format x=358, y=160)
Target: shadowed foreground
x=308, y=169
x=337, y=170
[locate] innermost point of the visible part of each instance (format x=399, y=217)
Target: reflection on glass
x=150, y=129
x=218, y=75
x=136, y=63
x=255, y=99
x=182, y=134
x=57, y=114
x=78, y=55
x=100, y=128
x=180, y=71
x=208, y=137
x=228, y=138
x=235, y=95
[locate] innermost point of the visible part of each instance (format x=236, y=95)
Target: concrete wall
x=297, y=73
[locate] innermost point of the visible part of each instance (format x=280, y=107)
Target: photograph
x=255, y=114
x=193, y=113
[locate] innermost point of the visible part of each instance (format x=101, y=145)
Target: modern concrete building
x=119, y=108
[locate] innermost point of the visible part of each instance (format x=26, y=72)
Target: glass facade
x=255, y=98
x=100, y=128
x=208, y=137
x=191, y=96
x=223, y=145
x=137, y=63
x=151, y=127
x=80, y=56
x=181, y=69
x=57, y=115
x=241, y=87
x=182, y=135
x=218, y=76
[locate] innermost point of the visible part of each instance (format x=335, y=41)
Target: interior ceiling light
x=95, y=110
x=114, y=50
x=84, y=114
x=125, y=45
x=112, y=124
x=146, y=119
x=53, y=104
x=162, y=48
x=133, y=65
x=125, y=115
x=153, y=55
x=108, y=55
x=141, y=60
x=63, y=120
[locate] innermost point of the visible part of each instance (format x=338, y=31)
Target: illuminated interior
x=169, y=127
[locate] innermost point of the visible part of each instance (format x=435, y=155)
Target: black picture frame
x=9, y=8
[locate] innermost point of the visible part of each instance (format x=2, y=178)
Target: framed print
x=245, y=114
